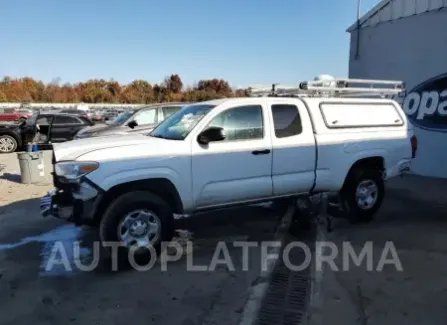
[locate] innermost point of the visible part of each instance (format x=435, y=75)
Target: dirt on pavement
x=30, y=294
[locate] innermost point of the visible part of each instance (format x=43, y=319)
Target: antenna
x=327, y=86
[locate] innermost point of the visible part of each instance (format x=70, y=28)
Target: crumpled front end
x=74, y=201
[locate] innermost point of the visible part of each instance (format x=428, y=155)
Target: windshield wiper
x=165, y=137
x=158, y=136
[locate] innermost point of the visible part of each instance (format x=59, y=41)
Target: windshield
x=178, y=125
x=122, y=117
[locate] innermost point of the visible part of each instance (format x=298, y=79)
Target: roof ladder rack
x=332, y=87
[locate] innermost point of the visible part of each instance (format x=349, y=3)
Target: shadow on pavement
x=11, y=177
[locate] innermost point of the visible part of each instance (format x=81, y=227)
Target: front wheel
x=139, y=221
x=7, y=144
x=362, y=195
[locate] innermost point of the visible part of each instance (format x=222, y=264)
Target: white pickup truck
x=230, y=152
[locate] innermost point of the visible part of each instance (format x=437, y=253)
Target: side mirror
x=132, y=124
x=211, y=134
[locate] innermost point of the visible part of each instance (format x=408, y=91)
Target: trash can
x=32, y=169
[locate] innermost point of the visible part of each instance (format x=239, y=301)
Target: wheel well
x=377, y=163
x=159, y=186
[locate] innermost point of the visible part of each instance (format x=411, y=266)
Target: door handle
x=261, y=152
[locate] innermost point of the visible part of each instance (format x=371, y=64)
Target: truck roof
x=325, y=87
x=242, y=100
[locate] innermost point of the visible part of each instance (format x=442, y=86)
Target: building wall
x=412, y=49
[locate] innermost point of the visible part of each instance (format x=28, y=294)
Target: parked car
x=14, y=115
x=110, y=114
x=97, y=115
x=141, y=120
x=83, y=113
x=229, y=152
x=42, y=128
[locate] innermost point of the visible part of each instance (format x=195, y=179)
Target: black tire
x=281, y=205
x=348, y=196
x=126, y=203
x=8, y=144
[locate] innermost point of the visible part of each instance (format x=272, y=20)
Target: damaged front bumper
x=76, y=203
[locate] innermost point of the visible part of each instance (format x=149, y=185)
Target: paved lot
x=29, y=294
x=414, y=219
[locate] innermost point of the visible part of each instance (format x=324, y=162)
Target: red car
x=12, y=115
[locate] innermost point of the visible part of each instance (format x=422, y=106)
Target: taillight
x=414, y=146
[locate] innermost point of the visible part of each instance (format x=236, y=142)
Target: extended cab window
x=241, y=123
x=286, y=119
x=60, y=120
x=148, y=116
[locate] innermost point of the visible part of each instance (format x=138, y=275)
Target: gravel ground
x=31, y=294
x=414, y=219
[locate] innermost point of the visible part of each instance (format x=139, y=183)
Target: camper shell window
x=360, y=115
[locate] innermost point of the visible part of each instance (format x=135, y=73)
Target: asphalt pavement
x=42, y=280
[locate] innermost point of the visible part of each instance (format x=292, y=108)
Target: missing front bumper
x=50, y=207
x=74, y=206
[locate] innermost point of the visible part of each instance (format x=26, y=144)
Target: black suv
x=42, y=128
x=140, y=121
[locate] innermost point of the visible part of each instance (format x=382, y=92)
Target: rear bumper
x=402, y=167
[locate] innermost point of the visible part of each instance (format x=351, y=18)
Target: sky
x=245, y=42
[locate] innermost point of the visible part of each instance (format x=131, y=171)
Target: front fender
x=181, y=181
x=120, y=177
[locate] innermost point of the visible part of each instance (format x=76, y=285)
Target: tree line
x=110, y=91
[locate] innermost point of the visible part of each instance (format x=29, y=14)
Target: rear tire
x=7, y=144
x=136, y=204
x=362, y=195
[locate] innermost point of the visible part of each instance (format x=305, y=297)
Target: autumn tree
x=3, y=97
x=216, y=87
x=103, y=91
x=173, y=84
x=137, y=92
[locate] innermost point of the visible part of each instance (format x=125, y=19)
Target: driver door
x=43, y=128
x=239, y=168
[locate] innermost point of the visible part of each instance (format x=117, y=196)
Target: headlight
x=73, y=170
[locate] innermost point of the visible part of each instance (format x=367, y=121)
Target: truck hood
x=71, y=150
x=99, y=130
